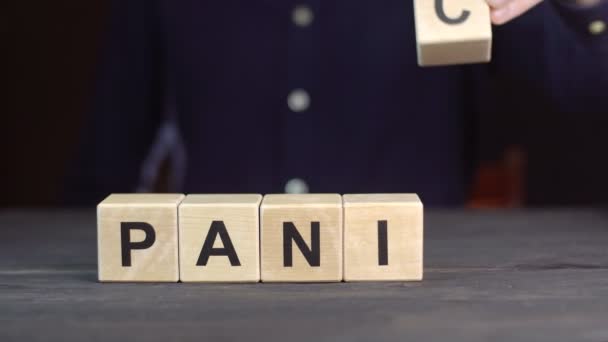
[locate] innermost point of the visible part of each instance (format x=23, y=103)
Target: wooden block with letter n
x=219, y=238
x=383, y=237
x=137, y=238
x=301, y=238
x=452, y=31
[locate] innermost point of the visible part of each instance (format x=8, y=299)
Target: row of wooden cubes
x=248, y=238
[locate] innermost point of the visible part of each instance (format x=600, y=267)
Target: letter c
x=450, y=21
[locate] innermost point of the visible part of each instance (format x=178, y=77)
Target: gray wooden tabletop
x=499, y=276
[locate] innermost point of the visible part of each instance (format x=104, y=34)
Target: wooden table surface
x=499, y=276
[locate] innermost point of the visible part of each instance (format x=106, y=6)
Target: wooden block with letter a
x=383, y=237
x=219, y=238
x=452, y=31
x=301, y=238
x=137, y=238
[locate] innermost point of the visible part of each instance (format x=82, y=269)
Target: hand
x=503, y=11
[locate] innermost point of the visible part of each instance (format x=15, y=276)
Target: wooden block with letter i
x=452, y=31
x=137, y=238
x=301, y=238
x=383, y=237
x=219, y=238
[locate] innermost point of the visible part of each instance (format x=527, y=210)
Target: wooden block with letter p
x=383, y=237
x=219, y=238
x=137, y=238
x=301, y=238
x=452, y=31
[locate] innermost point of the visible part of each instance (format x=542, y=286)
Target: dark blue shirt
x=375, y=121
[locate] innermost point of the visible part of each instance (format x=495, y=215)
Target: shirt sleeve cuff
x=590, y=23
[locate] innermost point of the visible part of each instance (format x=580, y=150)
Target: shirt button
x=597, y=27
x=298, y=100
x=296, y=186
x=302, y=16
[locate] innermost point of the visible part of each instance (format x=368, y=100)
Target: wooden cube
x=137, y=238
x=383, y=237
x=219, y=238
x=452, y=31
x=301, y=238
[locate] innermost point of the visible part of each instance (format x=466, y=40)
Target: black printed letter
x=450, y=21
x=312, y=255
x=125, y=239
x=218, y=228
x=382, y=243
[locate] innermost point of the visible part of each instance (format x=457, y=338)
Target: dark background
x=51, y=48
x=545, y=157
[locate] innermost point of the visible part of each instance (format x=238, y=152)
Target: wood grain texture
x=301, y=210
x=402, y=217
x=159, y=262
x=440, y=43
x=500, y=275
x=240, y=217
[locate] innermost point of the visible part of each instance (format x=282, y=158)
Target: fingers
x=503, y=11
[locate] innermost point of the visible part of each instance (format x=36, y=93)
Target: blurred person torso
x=328, y=93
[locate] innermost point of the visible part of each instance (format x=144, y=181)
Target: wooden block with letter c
x=452, y=32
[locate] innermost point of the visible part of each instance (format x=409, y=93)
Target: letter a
x=218, y=228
